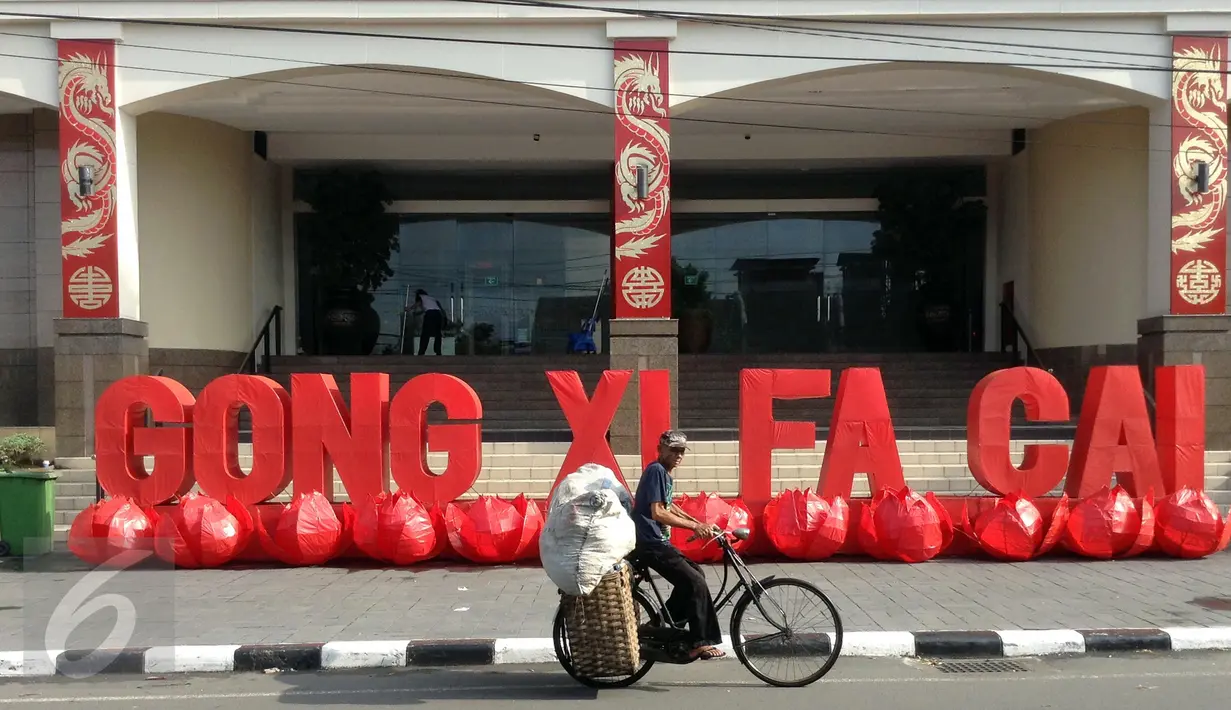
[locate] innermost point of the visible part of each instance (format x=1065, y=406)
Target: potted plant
x=350, y=238
x=690, y=300
x=927, y=226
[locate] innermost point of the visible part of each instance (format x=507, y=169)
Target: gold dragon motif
x=84, y=92
x=639, y=98
x=1199, y=97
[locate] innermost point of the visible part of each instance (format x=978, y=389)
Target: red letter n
x=326, y=433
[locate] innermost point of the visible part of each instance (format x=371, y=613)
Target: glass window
x=508, y=284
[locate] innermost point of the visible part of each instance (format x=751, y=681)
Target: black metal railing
x=269, y=340
x=1014, y=338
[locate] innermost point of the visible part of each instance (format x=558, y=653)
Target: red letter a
x=861, y=416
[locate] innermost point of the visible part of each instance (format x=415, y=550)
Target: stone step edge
x=347, y=655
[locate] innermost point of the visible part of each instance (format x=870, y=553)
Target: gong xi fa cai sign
x=302, y=437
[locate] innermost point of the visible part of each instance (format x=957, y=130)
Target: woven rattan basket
x=602, y=628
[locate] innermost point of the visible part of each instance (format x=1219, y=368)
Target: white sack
x=589, y=528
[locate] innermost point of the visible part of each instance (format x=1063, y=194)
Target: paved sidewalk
x=355, y=603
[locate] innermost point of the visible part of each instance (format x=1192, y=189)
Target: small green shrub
x=20, y=450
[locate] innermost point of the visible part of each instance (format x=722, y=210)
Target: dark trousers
x=433, y=327
x=690, y=598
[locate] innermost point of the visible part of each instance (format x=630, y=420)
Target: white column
x=1158, y=214
x=126, y=210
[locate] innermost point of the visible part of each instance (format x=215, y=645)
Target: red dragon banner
x=1199, y=135
x=90, y=254
x=642, y=244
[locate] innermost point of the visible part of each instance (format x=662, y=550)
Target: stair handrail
x=1019, y=333
x=270, y=336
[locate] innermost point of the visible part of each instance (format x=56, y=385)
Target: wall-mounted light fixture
x=85, y=180
x=1203, y=177
x=537, y=137
x=643, y=188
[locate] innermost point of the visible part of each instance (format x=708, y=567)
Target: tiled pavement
x=262, y=605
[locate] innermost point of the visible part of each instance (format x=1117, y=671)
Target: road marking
x=293, y=693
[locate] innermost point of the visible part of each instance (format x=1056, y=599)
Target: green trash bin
x=27, y=511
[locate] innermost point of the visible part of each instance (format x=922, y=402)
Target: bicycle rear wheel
x=646, y=616
x=813, y=632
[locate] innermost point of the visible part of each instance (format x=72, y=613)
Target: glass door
x=487, y=313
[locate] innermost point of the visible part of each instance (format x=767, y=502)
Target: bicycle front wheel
x=788, y=635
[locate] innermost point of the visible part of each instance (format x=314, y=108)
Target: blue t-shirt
x=655, y=487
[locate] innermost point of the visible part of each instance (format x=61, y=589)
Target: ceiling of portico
x=391, y=101
x=888, y=98
x=868, y=104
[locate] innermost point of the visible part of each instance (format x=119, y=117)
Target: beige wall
x=1087, y=196
x=210, y=250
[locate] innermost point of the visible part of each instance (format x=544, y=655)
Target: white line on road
x=293, y=693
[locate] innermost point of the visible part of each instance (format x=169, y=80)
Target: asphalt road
x=1193, y=682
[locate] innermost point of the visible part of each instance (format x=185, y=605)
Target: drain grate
x=988, y=666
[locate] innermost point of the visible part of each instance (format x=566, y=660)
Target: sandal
x=709, y=653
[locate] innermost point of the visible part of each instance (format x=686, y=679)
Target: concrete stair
x=514, y=390
x=926, y=391
x=712, y=466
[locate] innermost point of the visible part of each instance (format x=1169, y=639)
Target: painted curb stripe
x=363, y=654
x=1199, y=639
x=485, y=652
x=472, y=652
x=79, y=664
x=190, y=659
x=1121, y=640
x=290, y=656
x=878, y=644
x=1056, y=642
x=958, y=644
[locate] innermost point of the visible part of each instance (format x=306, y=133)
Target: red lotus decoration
x=308, y=531
x=494, y=530
x=395, y=528
x=1013, y=529
x=711, y=508
x=114, y=532
x=903, y=525
x=1111, y=524
x=202, y=532
x=1188, y=525
x=804, y=526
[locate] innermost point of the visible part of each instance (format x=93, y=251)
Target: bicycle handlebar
x=740, y=534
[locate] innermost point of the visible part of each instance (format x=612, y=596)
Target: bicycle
x=662, y=639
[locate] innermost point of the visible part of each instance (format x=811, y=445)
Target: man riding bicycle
x=654, y=516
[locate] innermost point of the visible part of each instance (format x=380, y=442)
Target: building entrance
x=813, y=282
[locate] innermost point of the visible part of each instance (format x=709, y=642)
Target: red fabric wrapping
x=988, y=438
x=760, y=433
x=1012, y=530
x=308, y=531
x=710, y=508
x=1110, y=524
x=903, y=525
x=1189, y=525
x=110, y=528
x=395, y=528
x=1179, y=391
x=492, y=530
x=1114, y=437
x=202, y=532
x=805, y=526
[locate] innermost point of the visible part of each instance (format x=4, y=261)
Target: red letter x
x=589, y=418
